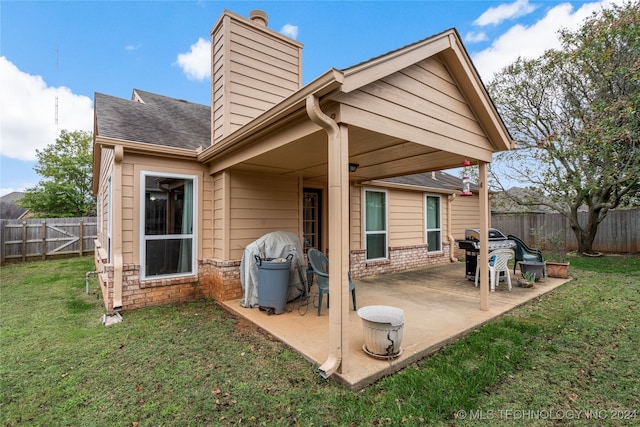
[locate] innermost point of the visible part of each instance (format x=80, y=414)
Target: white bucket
x=382, y=328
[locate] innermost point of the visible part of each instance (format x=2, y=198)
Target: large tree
x=575, y=115
x=65, y=187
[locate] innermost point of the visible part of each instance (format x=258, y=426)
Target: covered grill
x=471, y=245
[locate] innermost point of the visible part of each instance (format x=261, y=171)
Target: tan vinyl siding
x=219, y=216
x=261, y=204
x=420, y=103
x=102, y=198
x=128, y=202
x=443, y=218
x=253, y=69
x=206, y=216
x=356, y=218
x=464, y=215
x=218, y=75
x=406, y=218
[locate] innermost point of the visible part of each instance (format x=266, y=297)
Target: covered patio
x=439, y=305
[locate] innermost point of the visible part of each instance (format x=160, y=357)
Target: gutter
x=334, y=359
x=146, y=148
x=387, y=184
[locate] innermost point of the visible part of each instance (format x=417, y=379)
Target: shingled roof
x=154, y=119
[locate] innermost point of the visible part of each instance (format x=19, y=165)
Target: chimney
x=259, y=17
x=253, y=68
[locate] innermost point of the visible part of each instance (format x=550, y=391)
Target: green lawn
x=572, y=354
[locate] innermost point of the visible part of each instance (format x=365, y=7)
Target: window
x=168, y=245
x=375, y=221
x=433, y=223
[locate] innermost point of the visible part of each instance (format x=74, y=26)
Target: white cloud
x=532, y=41
x=473, y=37
x=131, y=47
x=196, y=63
x=498, y=14
x=290, y=31
x=28, y=112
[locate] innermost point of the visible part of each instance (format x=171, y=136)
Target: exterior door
x=311, y=221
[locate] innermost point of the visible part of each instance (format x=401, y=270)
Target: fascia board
x=476, y=93
x=421, y=188
x=145, y=148
x=375, y=69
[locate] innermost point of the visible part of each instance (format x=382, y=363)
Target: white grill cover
x=277, y=244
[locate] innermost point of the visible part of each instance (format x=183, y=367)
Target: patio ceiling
x=378, y=156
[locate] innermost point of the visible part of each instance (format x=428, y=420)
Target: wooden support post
x=484, y=237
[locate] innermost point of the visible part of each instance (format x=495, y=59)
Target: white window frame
x=144, y=238
x=366, y=233
x=426, y=222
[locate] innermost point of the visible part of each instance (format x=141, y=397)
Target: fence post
x=81, y=233
x=43, y=247
x=24, y=240
x=2, y=239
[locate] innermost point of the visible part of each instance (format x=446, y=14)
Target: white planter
x=382, y=328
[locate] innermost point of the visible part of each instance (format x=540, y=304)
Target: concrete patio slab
x=439, y=305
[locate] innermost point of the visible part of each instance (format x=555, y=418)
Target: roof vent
x=258, y=17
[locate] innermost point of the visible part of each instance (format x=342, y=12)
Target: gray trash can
x=273, y=284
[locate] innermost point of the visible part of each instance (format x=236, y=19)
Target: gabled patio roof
x=388, y=136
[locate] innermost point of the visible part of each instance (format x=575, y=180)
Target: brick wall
x=216, y=279
x=148, y=293
x=221, y=279
x=400, y=258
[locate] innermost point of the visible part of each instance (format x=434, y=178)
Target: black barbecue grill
x=471, y=245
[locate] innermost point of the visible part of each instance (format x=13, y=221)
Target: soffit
x=378, y=156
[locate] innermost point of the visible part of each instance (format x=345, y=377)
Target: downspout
x=117, y=227
x=334, y=359
x=452, y=241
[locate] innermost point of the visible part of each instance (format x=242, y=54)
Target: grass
x=193, y=364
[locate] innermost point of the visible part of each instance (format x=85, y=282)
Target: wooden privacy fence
x=42, y=238
x=619, y=232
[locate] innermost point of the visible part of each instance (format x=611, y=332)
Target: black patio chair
x=524, y=252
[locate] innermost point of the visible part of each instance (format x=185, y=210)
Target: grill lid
x=474, y=234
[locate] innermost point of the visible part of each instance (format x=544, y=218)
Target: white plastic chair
x=498, y=260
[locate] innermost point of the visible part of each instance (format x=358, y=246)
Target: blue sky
x=68, y=50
